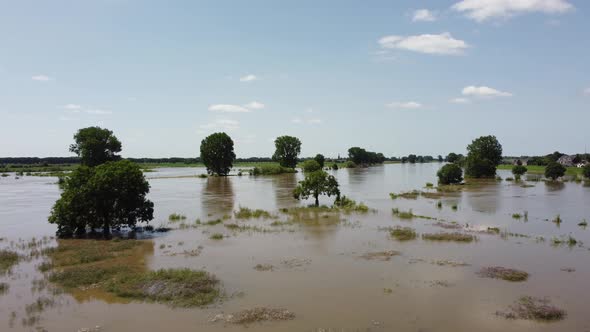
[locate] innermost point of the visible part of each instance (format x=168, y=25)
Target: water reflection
x=553, y=186
x=218, y=196
x=283, y=186
x=484, y=196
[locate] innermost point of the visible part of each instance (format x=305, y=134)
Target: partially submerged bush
x=310, y=166
x=554, y=170
x=247, y=213
x=499, y=272
x=271, y=169
x=176, y=217
x=528, y=307
x=450, y=174
x=216, y=236
x=403, y=234
x=455, y=237
x=403, y=214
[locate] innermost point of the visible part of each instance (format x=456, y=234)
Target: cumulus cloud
x=220, y=124
x=442, y=43
x=409, y=105
x=255, y=105
x=248, y=78
x=228, y=108
x=41, y=78
x=460, y=101
x=423, y=15
x=484, y=91
x=482, y=10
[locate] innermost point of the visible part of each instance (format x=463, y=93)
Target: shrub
x=519, y=170
x=335, y=166
x=554, y=170
x=310, y=166
x=320, y=159
x=271, y=169
x=403, y=234
x=450, y=174
x=586, y=171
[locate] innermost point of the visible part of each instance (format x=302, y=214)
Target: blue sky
x=396, y=77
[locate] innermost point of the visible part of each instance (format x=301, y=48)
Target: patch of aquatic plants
x=380, y=255
x=403, y=233
x=216, y=236
x=565, y=240
x=499, y=272
x=348, y=205
x=449, y=237
x=271, y=169
x=528, y=307
x=246, y=213
x=583, y=223
x=4, y=288
x=557, y=220
x=122, y=273
x=403, y=214
x=408, y=195
x=176, y=217
x=213, y=222
x=254, y=315
x=8, y=259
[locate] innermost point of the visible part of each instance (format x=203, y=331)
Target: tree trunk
x=317, y=200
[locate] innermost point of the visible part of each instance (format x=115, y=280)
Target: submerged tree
x=287, y=151
x=519, y=170
x=320, y=159
x=315, y=184
x=95, y=146
x=586, y=171
x=554, y=170
x=484, y=155
x=450, y=174
x=111, y=195
x=217, y=153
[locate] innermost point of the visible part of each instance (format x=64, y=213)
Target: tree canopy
x=310, y=166
x=111, y=195
x=320, y=159
x=315, y=184
x=217, y=153
x=484, y=155
x=95, y=146
x=361, y=156
x=554, y=170
x=287, y=150
x=586, y=171
x=519, y=170
x=450, y=174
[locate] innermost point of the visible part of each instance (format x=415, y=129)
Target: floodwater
x=326, y=284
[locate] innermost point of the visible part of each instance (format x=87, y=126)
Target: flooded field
x=325, y=270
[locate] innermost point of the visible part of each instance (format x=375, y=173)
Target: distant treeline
x=75, y=160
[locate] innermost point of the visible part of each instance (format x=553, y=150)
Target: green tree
x=554, y=170
x=452, y=157
x=108, y=196
x=519, y=170
x=320, y=159
x=310, y=166
x=287, y=149
x=484, y=155
x=217, y=153
x=315, y=184
x=95, y=146
x=412, y=158
x=586, y=171
x=450, y=174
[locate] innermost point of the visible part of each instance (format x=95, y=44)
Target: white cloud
x=460, y=101
x=248, y=78
x=409, y=105
x=442, y=43
x=482, y=10
x=72, y=107
x=41, y=78
x=587, y=92
x=220, y=124
x=255, y=105
x=98, y=112
x=227, y=108
x=423, y=15
x=484, y=91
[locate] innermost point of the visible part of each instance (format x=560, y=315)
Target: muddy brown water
x=325, y=282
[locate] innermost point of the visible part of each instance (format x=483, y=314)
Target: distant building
x=567, y=161
x=581, y=164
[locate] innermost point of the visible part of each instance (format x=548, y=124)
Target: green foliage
x=349, y=164
x=176, y=217
x=271, y=169
x=554, y=170
x=484, y=155
x=287, y=151
x=216, y=236
x=8, y=259
x=109, y=195
x=311, y=165
x=361, y=156
x=315, y=184
x=519, y=170
x=450, y=174
x=320, y=159
x=403, y=234
x=586, y=171
x=217, y=153
x=246, y=213
x=95, y=146
x=334, y=167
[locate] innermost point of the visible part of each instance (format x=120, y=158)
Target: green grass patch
x=499, y=272
x=176, y=217
x=8, y=259
x=246, y=213
x=216, y=236
x=449, y=237
x=403, y=233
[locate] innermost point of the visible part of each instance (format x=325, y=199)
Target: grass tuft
x=403, y=234
x=455, y=237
